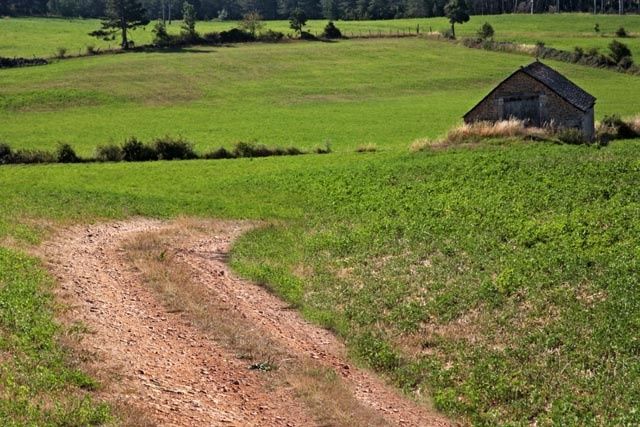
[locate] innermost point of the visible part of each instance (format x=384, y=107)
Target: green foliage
x=621, y=32
x=109, y=153
x=331, y=31
x=61, y=52
x=168, y=148
x=37, y=366
x=160, y=36
x=121, y=16
x=457, y=11
x=66, y=154
x=619, y=51
x=189, y=21
x=134, y=150
x=252, y=22
x=297, y=20
x=486, y=31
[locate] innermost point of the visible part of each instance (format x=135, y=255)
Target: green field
x=33, y=36
x=387, y=92
x=502, y=279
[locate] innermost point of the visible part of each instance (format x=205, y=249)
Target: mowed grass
x=33, y=36
x=350, y=93
x=502, y=280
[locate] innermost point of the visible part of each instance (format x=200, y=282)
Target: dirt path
x=170, y=369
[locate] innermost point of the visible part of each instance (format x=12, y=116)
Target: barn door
x=525, y=108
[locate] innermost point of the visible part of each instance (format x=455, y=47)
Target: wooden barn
x=539, y=95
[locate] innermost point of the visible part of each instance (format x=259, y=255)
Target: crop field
x=386, y=92
x=500, y=280
x=43, y=36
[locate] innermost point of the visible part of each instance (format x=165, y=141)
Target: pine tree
x=121, y=16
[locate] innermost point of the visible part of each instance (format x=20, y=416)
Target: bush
x=618, y=51
x=621, y=32
x=109, y=153
x=21, y=62
x=596, y=28
x=331, y=31
x=271, y=36
x=323, y=150
x=61, y=52
x=32, y=156
x=91, y=50
x=5, y=154
x=571, y=136
x=66, y=154
x=578, y=53
x=134, y=150
x=447, y=34
x=251, y=149
x=236, y=35
x=168, y=148
x=219, y=153
x=366, y=148
x=306, y=35
x=617, y=128
x=211, y=38
x=486, y=31
x=625, y=63
x=161, y=37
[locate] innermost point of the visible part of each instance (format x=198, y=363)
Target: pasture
x=43, y=36
x=384, y=92
x=500, y=280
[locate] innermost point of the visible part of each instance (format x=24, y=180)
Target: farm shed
x=539, y=95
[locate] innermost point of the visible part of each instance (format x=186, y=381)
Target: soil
x=162, y=365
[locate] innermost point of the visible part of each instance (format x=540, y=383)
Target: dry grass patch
x=473, y=133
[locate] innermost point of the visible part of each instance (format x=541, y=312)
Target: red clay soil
x=172, y=371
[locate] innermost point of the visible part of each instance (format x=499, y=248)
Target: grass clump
x=367, y=148
x=471, y=133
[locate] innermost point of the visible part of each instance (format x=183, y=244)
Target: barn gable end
x=540, y=96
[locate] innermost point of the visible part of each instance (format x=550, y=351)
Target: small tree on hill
x=297, y=20
x=189, y=21
x=331, y=31
x=121, y=16
x=486, y=31
x=458, y=13
x=252, y=22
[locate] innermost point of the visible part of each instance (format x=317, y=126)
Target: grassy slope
x=386, y=92
x=32, y=36
x=504, y=278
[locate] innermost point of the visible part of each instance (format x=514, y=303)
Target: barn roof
x=555, y=81
x=560, y=85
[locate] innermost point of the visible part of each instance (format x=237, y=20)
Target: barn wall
x=553, y=108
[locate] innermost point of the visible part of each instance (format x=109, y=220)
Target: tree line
x=314, y=9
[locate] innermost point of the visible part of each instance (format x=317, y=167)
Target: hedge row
x=134, y=150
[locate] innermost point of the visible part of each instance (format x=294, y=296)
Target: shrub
x=32, y=156
x=447, y=34
x=617, y=128
x=618, y=51
x=625, y=63
x=305, y=35
x=160, y=35
x=331, y=31
x=91, y=50
x=486, y=31
x=134, y=150
x=251, y=149
x=61, y=52
x=323, y=150
x=109, y=153
x=571, y=136
x=271, y=36
x=211, y=38
x=366, y=148
x=5, y=154
x=21, y=62
x=578, y=53
x=621, y=32
x=235, y=35
x=168, y=148
x=66, y=154
x=596, y=28
x=252, y=22
x=219, y=153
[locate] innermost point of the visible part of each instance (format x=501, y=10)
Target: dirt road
x=161, y=364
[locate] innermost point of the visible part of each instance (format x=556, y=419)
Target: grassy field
x=503, y=279
x=387, y=92
x=33, y=36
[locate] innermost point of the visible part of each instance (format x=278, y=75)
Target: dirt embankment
x=177, y=339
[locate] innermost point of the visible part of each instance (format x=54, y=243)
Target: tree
x=121, y=16
x=458, y=13
x=486, y=31
x=189, y=20
x=252, y=22
x=297, y=20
